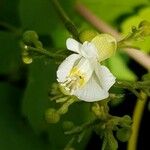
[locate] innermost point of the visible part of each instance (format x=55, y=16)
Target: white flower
x=81, y=73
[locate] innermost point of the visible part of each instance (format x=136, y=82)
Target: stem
x=100, y=25
x=65, y=19
x=64, y=108
x=68, y=146
x=45, y=52
x=137, y=116
x=10, y=28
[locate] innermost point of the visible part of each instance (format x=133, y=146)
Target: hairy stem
x=44, y=52
x=65, y=19
x=137, y=116
x=100, y=25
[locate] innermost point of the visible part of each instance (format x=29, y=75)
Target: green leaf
x=118, y=67
x=38, y=15
x=115, y=7
x=62, y=35
x=9, y=53
x=35, y=102
x=15, y=133
x=42, y=74
x=134, y=20
x=9, y=12
x=41, y=17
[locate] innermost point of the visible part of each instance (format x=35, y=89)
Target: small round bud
x=27, y=59
x=67, y=125
x=87, y=35
x=52, y=116
x=144, y=23
x=144, y=26
x=29, y=37
x=123, y=134
x=39, y=44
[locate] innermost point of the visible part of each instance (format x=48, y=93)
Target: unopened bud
x=26, y=58
x=29, y=37
x=123, y=134
x=67, y=125
x=52, y=116
x=144, y=26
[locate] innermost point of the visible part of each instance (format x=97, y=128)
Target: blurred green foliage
x=134, y=20
x=24, y=89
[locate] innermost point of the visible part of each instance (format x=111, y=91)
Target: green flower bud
x=123, y=134
x=106, y=45
x=29, y=37
x=67, y=125
x=52, y=116
x=144, y=26
x=87, y=35
x=26, y=58
x=126, y=120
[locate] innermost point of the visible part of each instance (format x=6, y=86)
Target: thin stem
x=65, y=19
x=137, y=116
x=100, y=25
x=70, y=143
x=64, y=108
x=45, y=52
x=10, y=28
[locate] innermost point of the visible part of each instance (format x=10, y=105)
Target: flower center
x=75, y=80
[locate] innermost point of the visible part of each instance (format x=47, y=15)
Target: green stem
x=68, y=146
x=45, y=52
x=64, y=108
x=137, y=116
x=10, y=28
x=65, y=19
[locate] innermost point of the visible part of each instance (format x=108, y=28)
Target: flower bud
x=144, y=26
x=26, y=58
x=68, y=125
x=106, y=45
x=52, y=116
x=123, y=134
x=87, y=35
x=29, y=37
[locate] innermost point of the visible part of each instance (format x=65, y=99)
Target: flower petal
x=73, y=45
x=92, y=91
x=105, y=77
x=85, y=67
x=88, y=50
x=66, y=66
x=106, y=45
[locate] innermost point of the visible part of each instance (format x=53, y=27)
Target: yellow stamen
x=75, y=80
